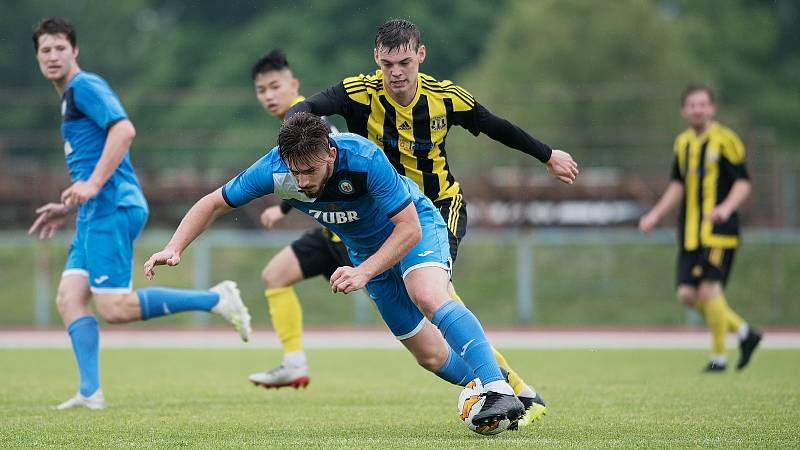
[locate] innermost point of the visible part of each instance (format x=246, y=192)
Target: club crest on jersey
x=438, y=123
x=335, y=217
x=346, y=187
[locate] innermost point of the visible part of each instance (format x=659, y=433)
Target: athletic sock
x=160, y=301
x=465, y=336
x=287, y=317
x=743, y=331
x=295, y=359
x=733, y=320
x=516, y=381
x=85, y=336
x=716, y=319
x=455, y=370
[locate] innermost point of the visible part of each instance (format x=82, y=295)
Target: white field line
x=546, y=339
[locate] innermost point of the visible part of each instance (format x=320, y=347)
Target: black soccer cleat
x=747, y=347
x=497, y=407
x=714, y=367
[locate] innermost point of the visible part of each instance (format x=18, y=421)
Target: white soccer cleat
x=94, y=401
x=231, y=307
x=282, y=376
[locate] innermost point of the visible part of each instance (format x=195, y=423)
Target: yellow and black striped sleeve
x=732, y=162
x=678, y=160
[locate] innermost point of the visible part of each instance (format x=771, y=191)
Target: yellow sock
x=516, y=381
x=287, y=317
x=716, y=318
x=733, y=320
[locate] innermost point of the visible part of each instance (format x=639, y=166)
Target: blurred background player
x=316, y=252
x=709, y=178
x=394, y=235
x=111, y=212
x=408, y=115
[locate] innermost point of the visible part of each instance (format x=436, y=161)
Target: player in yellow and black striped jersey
x=316, y=252
x=409, y=114
x=710, y=180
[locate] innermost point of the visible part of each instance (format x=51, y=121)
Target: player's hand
x=164, y=257
x=562, y=167
x=79, y=193
x=271, y=215
x=648, y=222
x=347, y=279
x=720, y=214
x=51, y=217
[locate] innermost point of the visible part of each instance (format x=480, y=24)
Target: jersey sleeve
x=95, y=98
x=675, y=170
x=732, y=161
x=386, y=187
x=329, y=102
x=254, y=182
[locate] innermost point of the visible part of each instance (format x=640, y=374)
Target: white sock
x=743, y=331
x=499, y=386
x=295, y=359
x=527, y=391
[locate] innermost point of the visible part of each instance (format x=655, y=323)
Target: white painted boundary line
x=376, y=339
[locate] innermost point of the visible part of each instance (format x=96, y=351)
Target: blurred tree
x=593, y=78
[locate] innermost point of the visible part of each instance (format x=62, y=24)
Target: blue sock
x=463, y=332
x=455, y=370
x=159, y=301
x=85, y=335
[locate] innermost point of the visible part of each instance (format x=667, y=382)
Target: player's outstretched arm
x=119, y=139
x=329, y=102
x=406, y=234
x=197, y=220
x=559, y=163
x=671, y=196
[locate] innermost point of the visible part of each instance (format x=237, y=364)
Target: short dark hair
x=301, y=138
x=274, y=60
x=397, y=33
x=54, y=25
x=692, y=88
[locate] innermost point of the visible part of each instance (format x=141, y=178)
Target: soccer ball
x=470, y=402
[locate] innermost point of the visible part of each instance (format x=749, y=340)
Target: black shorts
x=705, y=263
x=454, y=212
x=320, y=253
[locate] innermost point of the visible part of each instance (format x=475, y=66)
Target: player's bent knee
x=428, y=299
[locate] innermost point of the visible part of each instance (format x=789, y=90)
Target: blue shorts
x=388, y=290
x=102, y=250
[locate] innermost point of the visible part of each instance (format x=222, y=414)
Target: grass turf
x=381, y=399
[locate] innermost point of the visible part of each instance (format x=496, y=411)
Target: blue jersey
x=363, y=193
x=88, y=109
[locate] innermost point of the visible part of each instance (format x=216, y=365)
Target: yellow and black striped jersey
x=413, y=136
x=707, y=164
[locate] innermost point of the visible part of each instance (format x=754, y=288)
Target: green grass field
x=381, y=399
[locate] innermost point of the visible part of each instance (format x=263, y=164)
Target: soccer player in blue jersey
x=396, y=238
x=111, y=212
